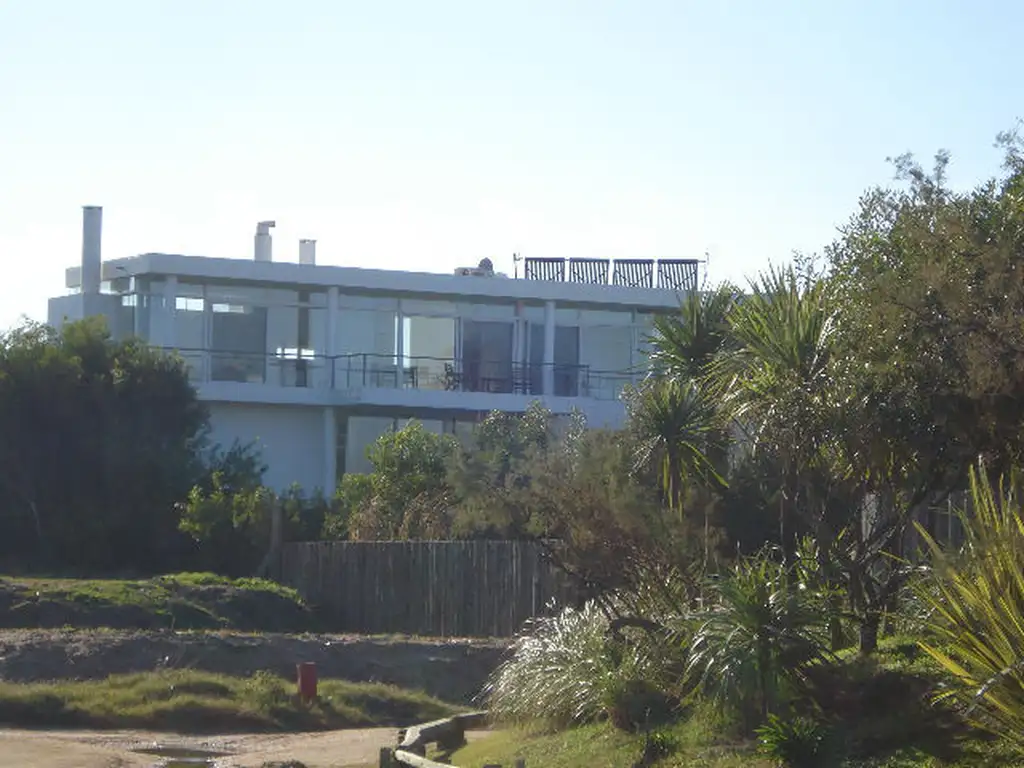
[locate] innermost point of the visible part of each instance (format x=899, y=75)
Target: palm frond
x=976, y=603
x=684, y=344
x=675, y=427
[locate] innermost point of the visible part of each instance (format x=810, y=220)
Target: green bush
x=757, y=641
x=798, y=742
x=266, y=693
x=977, y=600
x=634, y=705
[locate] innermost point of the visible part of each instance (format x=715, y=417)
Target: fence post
x=386, y=758
x=271, y=565
x=520, y=763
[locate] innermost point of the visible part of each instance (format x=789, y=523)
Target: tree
x=674, y=427
x=98, y=440
x=601, y=523
x=407, y=489
x=774, y=382
x=685, y=344
x=929, y=296
x=488, y=473
x=232, y=524
x=930, y=350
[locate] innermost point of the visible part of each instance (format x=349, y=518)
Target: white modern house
x=315, y=362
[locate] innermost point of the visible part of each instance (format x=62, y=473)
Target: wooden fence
x=437, y=589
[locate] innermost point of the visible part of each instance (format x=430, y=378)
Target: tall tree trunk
x=891, y=606
x=869, y=632
x=835, y=626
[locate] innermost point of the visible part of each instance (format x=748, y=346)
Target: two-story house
x=315, y=362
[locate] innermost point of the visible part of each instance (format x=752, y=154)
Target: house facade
x=314, y=362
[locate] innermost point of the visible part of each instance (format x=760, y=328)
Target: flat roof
x=383, y=282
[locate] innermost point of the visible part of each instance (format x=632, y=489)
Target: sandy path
x=113, y=749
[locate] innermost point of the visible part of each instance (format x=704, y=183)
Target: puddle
x=180, y=757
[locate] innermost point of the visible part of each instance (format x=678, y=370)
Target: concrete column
x=331, y=337
x=400, y=343
x=519, y=336
x=549, y=348
x=92, y=258
x=634, y=341
x=330, y=452
x=141, y=300
x=207, y=372
x=170, y=302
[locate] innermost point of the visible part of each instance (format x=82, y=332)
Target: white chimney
x=307, y=251
x=92, y=257
x=264, y=243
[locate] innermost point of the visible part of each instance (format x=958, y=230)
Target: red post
x=307, y=681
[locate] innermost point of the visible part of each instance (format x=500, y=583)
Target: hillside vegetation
x=203, y=702
x=180, y=601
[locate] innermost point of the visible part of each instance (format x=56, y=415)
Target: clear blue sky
x=426, y=135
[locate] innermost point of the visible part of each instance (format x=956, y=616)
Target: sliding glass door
x=487, y=356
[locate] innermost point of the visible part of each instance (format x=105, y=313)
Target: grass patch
x=882, y=708
x=879, y=708
x=177, y=601
x=684, y=745
x=201, y=702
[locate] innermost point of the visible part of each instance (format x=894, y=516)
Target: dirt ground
x=114, y=749
x=453, y=670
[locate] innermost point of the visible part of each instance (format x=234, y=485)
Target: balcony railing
x=670, y=274
x=375, y=371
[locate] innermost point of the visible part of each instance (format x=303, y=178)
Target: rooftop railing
x=668, y=274
x=379, y=371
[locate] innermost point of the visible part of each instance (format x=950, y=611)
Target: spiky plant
x=976, y=602
x=568, y=669
x=674, y=426
x=759, y=639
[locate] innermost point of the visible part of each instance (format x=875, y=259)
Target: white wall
x=291, y=439
x=61, y=309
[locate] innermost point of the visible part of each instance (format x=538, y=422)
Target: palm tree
x=683, y=345
x=677, y=431
x=673, y=426
x=774, y=379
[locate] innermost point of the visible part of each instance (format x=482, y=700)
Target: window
x=188, y=304
x=566, y=362
x=293, y=353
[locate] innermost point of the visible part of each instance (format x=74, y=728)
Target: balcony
x=306, y=370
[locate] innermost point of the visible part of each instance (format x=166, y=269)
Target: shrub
x=976, y=603
x=797, y=742
x=569, y=669
x=633, y=705
x=265, y=693
x=757, y=641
